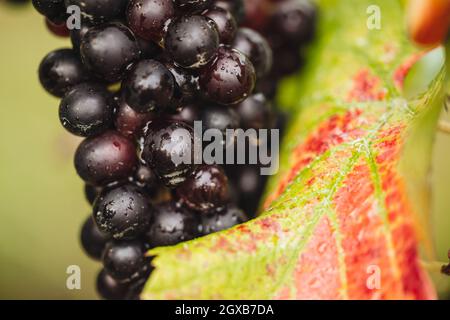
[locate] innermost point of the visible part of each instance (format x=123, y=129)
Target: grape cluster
x=137, y=76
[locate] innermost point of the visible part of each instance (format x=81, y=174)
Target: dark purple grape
x=173, y=224
x=225, y=22
x=294, y=21
x=129, y=122
x=187, y=114
x=60, y=70
x=249, y=184
x=91, y=193
x=148, y=86
x=125, y=260
x=255, y=112
x=106, y=158
x=192, y=41
x=87, y=110
x=256, y=48
x=110, y=289
x=107, y=50
x=192, y=5
x=149, y=18
x=236, y=7
x=52, y=9
x=219, y=117
x=123, y=212
x=58, y=29
x=98, y=11
x=136, y=287
x=229, y=79
x=92, y=239
x=187, y=86
x=205, y=189
x=223, y=219
x=169, y=151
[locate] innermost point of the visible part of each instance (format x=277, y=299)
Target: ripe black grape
x=91, y=193
x=92, y=239
x=52, y=9
x=124, y=260
x=187, y=86
x=225, y=22
x=148, y=86
x=256, y=48
x=192, y=41
x=148, y=18
x=123, y=212
x=229, y=79
x=255, y=112
x=236, y=7
x=222, y=219
x=110, y=289
x=106, y=158
x=108, y=49
x=87, y=110
x=60, y=70
x=205, y=189
x=219, y=117
x=294, y=21
x=172, y=224
x=169, y=151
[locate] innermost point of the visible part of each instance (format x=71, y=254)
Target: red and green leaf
x=350, y=201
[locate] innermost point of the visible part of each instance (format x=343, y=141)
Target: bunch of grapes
x=137, y=76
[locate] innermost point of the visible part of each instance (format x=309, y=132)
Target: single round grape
x=110, y=289
x=294, y=21
x=149, y=18
x=255, y=112
x=225, y=22
x=123, y=212
x=249, y=184
x=98, y=11
x=91, y=193
x=192, y=5
x=229, y=79
x=106, y=158
x=60, y=70
x=148, y=86
x=173, y=224
x=236, y=7
x=52, y=9
x=219, y=117
x=93, y=240
x=222, y=219
x=125, y=260
x=205, y=189
x=169, y=151
x=256, y=48
x=58, y=29
x=87, y=110
x=192, y=41
x=186, y=85
x=107, y=50
x=129, y=122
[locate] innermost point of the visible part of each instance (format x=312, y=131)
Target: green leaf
x=344, y=216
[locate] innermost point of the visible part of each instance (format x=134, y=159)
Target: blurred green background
x=41, y=200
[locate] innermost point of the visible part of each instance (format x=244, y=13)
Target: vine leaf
x=344, y=216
